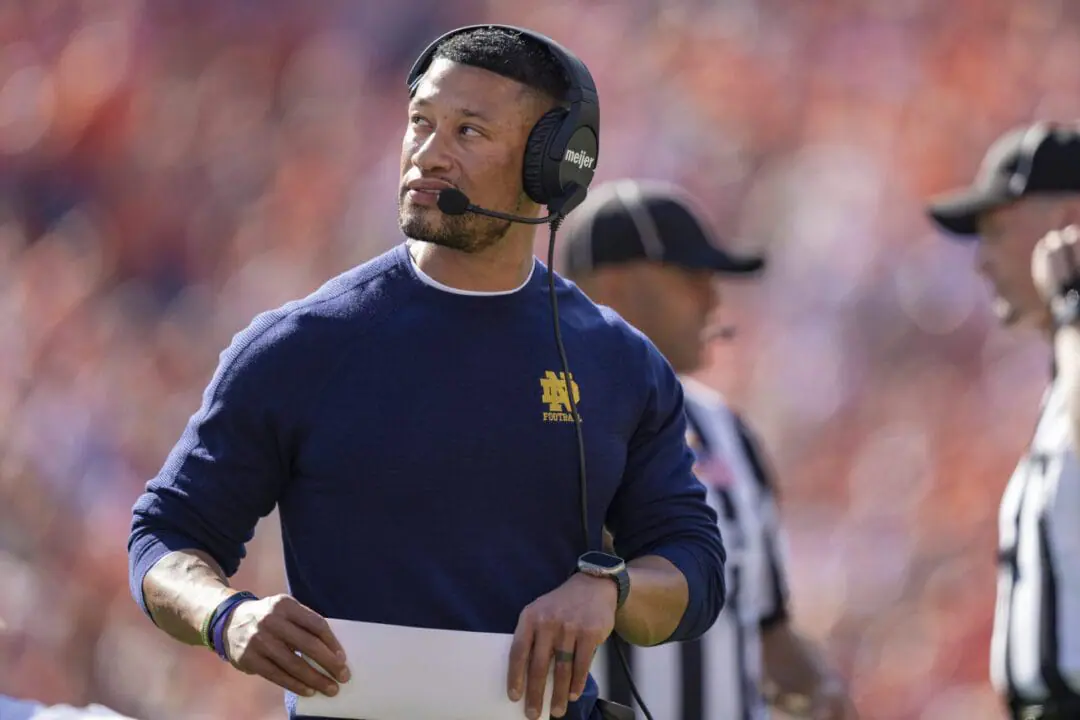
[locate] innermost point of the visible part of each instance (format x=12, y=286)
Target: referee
x=642, y=249
x=1026, y=192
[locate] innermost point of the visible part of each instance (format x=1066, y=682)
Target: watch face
x=602, y=560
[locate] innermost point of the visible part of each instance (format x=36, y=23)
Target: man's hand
x=567, y=625
x=262, y=635
x=1056, y=261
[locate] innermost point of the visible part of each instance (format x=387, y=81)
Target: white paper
x=406, y=673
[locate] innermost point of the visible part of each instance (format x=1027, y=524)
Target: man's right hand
x=262, y=635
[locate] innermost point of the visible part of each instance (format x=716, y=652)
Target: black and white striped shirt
x=719, y=676
x=1035, y=650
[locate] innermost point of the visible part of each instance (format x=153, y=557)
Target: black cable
x=569, y=385
x=583, y=487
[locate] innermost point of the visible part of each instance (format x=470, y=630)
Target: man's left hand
x=567, y=625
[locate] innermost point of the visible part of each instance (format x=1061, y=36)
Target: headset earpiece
x=540, y=183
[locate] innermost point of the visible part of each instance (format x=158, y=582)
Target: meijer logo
x=580, y=158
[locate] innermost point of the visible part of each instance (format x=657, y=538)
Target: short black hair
x=510, y=54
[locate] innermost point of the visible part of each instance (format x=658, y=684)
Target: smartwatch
x=605, y=565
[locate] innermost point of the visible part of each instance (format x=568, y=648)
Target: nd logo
x=555, y=394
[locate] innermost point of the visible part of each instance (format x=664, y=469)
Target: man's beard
x=469, y=234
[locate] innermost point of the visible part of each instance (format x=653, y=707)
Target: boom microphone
x=454, y=202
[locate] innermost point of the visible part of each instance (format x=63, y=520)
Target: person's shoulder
x=286, y=339
x=354, y=295
x=632, y=344
x=604, y=320
x=356, y=291
x=625, y=346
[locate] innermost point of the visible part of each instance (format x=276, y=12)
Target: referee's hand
x=567, y=625
x=262, y=635
x=1055, y=262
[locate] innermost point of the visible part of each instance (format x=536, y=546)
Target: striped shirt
x=1035, y=650
x=719, y=676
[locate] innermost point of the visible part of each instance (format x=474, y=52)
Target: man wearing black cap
x=641, y=249
x=1023, y=207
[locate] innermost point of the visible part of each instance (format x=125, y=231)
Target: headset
x=560, y=161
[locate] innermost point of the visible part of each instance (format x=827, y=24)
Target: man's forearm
x=658, y=598
x=181, y=589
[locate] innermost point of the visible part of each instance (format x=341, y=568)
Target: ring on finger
x=564, y=656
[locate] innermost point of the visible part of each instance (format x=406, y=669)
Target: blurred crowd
x=170, y=168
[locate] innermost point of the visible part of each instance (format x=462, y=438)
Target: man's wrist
x=208, y=603
x=606, y=587
x=219, y=621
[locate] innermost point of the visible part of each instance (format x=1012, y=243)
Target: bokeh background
x=169, y=168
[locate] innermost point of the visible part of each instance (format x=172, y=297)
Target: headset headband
x=581, y=87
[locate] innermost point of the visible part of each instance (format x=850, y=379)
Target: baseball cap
x=627, y=220
x=1043, y=159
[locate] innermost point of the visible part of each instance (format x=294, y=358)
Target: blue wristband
x=220, y=618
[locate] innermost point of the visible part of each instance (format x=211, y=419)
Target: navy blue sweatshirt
x=422, y=460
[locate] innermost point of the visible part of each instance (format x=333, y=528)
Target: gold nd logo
x=556, y=397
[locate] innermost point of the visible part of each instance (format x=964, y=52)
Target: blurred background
x=170, y=168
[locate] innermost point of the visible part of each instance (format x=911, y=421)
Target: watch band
x=622, y=580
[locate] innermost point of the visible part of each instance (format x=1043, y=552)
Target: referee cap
x=1043, y=159
x=627, y=220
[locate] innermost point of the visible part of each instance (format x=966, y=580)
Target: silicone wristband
x=204, y=632
x=220, y=617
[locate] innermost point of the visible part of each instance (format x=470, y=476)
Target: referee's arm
x=1067, y=366
x=662, y=524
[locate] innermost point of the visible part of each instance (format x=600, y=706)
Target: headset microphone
x=454, y=202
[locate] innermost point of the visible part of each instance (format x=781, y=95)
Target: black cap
x=1043, y=159
x=628, y=220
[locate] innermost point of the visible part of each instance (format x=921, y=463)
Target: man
x=642, y=249
x=1026, y=190
x=409, y=423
